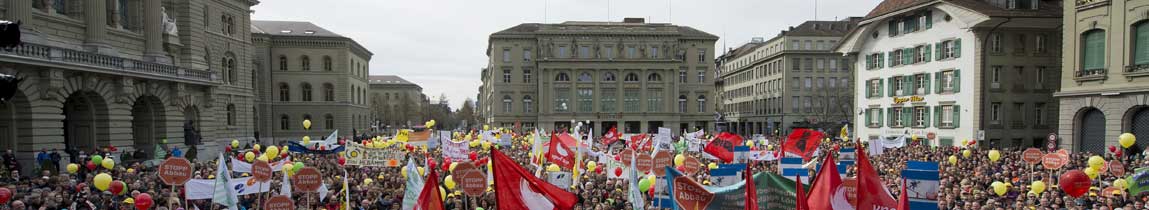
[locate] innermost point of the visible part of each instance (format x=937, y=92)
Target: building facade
x=1105, y=77
x=794, y=79
x=98, y=75
x=633, y=75
x=947, y=71
x=307, y=72
x=395, y=102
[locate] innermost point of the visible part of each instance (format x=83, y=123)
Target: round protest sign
x=661, y=161
x=473, y=181
x=175, y=171
x=260, y=171
x=279, y=202
x=307, y=179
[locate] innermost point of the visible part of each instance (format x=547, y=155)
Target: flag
x=518, y=189
x=802, y=142
x=634, y=195
x=1138, y=181
x=322, y=192
x=414, y=185
x=828, y=191
x=221, y=191
x=639, y=142
x=686, y=193
x=872, y=192
x=751, y=190
x=903, y=199
x=845, y=134
x=285, y=186
x=723, y=145
x=611, y=136
x=346, y=192
x=800, y=195
x=429, y=197
x=560, y=152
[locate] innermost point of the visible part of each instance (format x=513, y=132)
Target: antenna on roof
x=670, y=11
x=545, y=7
x=815, y=9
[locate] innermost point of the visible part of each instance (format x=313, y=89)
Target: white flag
x=221, y=191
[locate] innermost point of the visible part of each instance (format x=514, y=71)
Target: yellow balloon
x=965, y=153
x=102, y=181
x=486, y=145
x=1037, y=186
x=72, y=168
x=1127, y=140
x=449, y=182
x=422, y=171
x=1121, y=184
x=288, y=167
x=108, y=163
x=750, y=143
x=234, y=143
x=307, y=124
x=257, y=147
x=591, y=165
x=131, y=170
x=249, y=156
x=473, y=143
x=999, y=188
x=368, y=181
x=442, y=193
x=262, y=157
x=486, y=127
x=953, y=159
x=770, y=147
x=1095, y=162
x=403, y=172
x=679, y=159
x=712, y=166
x=1092, y=173
x=452, y=167
x=994, y=155
x=272, y=151
x=553, y=168
x=306, y=140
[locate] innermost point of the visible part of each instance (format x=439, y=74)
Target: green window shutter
x=929, y=19
x=890, y=117
x=926, y=84
x=957, y=114
x=957, y=48
x=868, y=113
x=957, y=80
x=868, y=89
x=938, y=82
x=881, y=62
x=1094, y=56
x=881, y=83
x=907, y=85
x=928, y=53
x=1141, y=54
x=938, y=116
x=907, y=116
x=869, y=62
x=890, y=57
x=893, y=25
x=892, y=93
x=938, y=51
x=881, y=113
x=926, y=121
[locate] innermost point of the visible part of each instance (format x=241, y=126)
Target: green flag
x=1138, y=181
x=775, y=192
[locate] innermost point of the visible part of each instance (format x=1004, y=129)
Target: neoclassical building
x=635, y=75
x=308, y=72
x=1105, y=74
x=395, y=102
x=127, y=73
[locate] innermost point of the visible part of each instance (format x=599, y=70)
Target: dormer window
x=308, y=32
x=285, y=31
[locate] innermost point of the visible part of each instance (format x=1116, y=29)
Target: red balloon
x=617, y=171
x=617, y=158
x=80, y=187
x=1112, y=148
x=256, y=151
x=447, y=161
x=143, y=201
x=117, y=187
x=283, y=154
x=598, y=170
x=474, y=156
x=432, y=165
x=227, y=149
x=5, y=195
x=322, y=147
x=1075, y=183
x=91, y=166
x=342, y=160
x=681, y=168
x=1119, y=153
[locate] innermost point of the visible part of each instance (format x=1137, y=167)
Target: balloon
x=403, y=172
x=72, y=168
x=97, y=159
x=298, y=166
x=1127, y=140
x=1075, y=183
x=1092, y=173
x=342, y=160
x=306, y=140
x=486, y=145
x=262, y=157
x=953, y=159
x=287, y=167
x=452, y=167
x=257, y=147
x=770, y=147
x=449, y=181
x=368, y=181
x=90, y=165
x=994, y=155
x=422, y=171
x=307, y=124
x=131, y=170
x=234, y=143
x=1095, y=162
x=1121, y=184
x=553, y=168
x=227, y=149
x=5, y=195
x=750, y=143
x=442, y=193
x=249, y=156
x=644, y=184
x=474, y=156
x=474, y=143
x=965, y=153
x=712, y=166
x=117, y=187
x=108, y=163
x=102, y=181
x=598, y=170
x=617, y=171
x=1037, y=186
x=591, y=165
x=679, y=159
x=143, y=201
x=999, y=188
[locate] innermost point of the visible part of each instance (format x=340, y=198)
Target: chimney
x=633, y=20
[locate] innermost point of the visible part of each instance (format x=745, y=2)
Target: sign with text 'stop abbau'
x=175, y=171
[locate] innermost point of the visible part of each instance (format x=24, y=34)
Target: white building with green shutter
x=946, y=71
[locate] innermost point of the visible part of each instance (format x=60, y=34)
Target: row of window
x=1040, y=42
x=305, y=63
x=913, y=55
x=943, y=116
x=945, y=82
x=1093, y=51
x=608, y=52
x=608, y=101
x=285, y=122
x=819, y=64
x=606, y=77
x=765, y=51
x=305, y=92
x=1017, y=114
x=818, y=83
x=911, y=23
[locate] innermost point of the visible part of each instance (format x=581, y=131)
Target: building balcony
x=106, y=64
x=1136, y=70
x=1090, y=74
x=1087, y=4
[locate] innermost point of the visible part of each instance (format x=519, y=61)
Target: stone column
x=95, y=15
x=115, y=14
x=21, y=10
x=153, y=32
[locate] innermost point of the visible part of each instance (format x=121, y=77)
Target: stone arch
x=15, y=123
x=192, y=125
x=85, y=120
x=148, y=124
x=1089, y=122
x=1136, y=121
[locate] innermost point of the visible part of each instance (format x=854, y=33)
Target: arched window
x=231, y=114
x=608, y=77
x=528, y=104
x=305, y=91
x=654, y=77
x=562, y=77
x=329, y=122
x=305, y=63
x=1141, y=45
x=682, y=103
x=327, y=63
x=584, y=77
x=229, y=68
x=1092, y=52
x=282, y=63
x=284, y=92
x=701, y=104
x=507, y=101
x=328, y=92
x=631, y=77
x=284, y=122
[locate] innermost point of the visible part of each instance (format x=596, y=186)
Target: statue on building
x=169, y=23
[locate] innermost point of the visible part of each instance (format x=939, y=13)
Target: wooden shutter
x=926, y=83
x=957, y=48
x=881, y=83
x=957, y=115
x=881, y=113
x=893, y=92
x=938, y=50
x=928, y=53
x=907, y=116
x=868, y=113
x=938, y=116
x=938, y=81
x=957, y=80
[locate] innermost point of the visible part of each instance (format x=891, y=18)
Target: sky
x=441, y=44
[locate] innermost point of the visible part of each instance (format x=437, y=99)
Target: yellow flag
x=845, y=133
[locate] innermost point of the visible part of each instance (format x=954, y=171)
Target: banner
x=726, y=174
x=560, y=179
x=1138, y=181
x=202, y=188
x=847, y=154
x=774, y=193
x=896, y=141
x=456, y=150
x=362, y=156
x=762, y=155
x=693, y=144
x=243, y=167
x=294, y=146
x=922, y=179
x=662, y=140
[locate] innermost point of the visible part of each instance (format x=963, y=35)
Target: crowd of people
x=964, y=184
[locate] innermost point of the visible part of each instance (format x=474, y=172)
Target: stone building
x=793, y=79
x=395, y=102
x=947, y=71
x=308, y=72
x=633, y=75
x=129, y=74
x=1105, y=74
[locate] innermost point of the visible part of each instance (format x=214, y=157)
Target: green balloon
x=479, y=208
x=298, y=165
x=644, y=185
x=97, y=159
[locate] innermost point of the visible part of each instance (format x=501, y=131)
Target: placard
x=691, y=165
x=690, y=195
x=661, y=160
x=473, y=181
x=1052, y=161
x=1032, y=156
x=175, y=171
x=358, y=155
x=279, y=202
x=560, y=179
x=261, y=171
x=644, y=163
x=307, y=179
x=1117, y=168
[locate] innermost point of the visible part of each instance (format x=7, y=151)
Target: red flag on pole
x=429, y=198
x=519, y=189
x=903, y=200
x=560, y=152
x=611, y=136
x=800, y=196
x=828, y=192
x=723, y=145
x=751, y=191
x=872, y=193
x=803, y=142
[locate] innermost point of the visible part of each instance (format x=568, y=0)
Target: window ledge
x=1137, y=70
x=947, y=127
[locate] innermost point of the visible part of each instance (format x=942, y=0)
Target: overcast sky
x=440, y=44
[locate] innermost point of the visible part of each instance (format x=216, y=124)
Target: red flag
x=560, y=152
x=519, y=189
x=751, y=191
x=639, y=142
x=723, y=145
x=803, y=142
x=800, y=196
x=828, y=192
x=429, y=198
x=611, y=136
x=872, y=193
x=903, y=200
